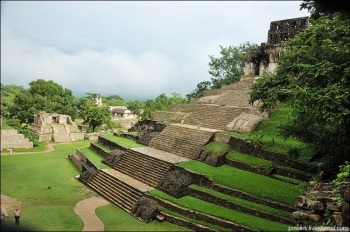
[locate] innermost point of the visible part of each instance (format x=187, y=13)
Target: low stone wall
x=321, y=205
x=99, y=150
x=247, y=147
x=172, y=117
x=110, y=144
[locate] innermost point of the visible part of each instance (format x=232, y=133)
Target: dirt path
x=85, y=209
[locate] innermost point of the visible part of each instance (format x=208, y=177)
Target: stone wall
x=13, y=139
x=244, y=146
x=322, y=205
x=173, y=117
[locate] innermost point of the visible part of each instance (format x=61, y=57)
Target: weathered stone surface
x=146, y=209
x=334, y=206
x=175, y=182
x=324, y=187
x=301, y=202
x=346, y=213
x=345, y=191
x=314, y=217
x=245, y=123
x=315, y=205
x=322, y=195
x=300, y=215
x=338, y=218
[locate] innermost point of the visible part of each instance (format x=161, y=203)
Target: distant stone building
x=55, y=127
x=265, y=57
x=97, y=99
x=124, y=116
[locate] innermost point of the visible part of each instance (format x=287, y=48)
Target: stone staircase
x=205, y=114
x=13, y=139
x=180, y=140
x=142, y=167
x=61, y=134
x=118, y=188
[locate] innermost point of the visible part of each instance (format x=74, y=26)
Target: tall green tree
x=312, y=77
x=202, y=87
x=43, y=96
x=93, y=115
x=229, y=66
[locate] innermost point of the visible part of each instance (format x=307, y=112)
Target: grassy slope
x=93, y=157
x=255, y=184
x=128, y=143
x=222, y=212
x=271, y=138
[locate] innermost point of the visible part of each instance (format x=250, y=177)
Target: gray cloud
x=133, y=49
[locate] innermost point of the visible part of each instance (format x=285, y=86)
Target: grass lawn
x=269, y=133
x=215, y=148
x=116, y=219
x=222, y=212
x=93, y=157
x=248, y=159
x=128, y=143
x=249, y=182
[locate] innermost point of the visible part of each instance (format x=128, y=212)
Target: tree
x=43, y=96
x=312, y=78
x=114, y=100
x=8, y=93
x=319, y=8
x=93, y=115
x=229, y=67
x=202, y=87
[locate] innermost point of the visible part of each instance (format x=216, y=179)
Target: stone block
x=322, y=195
x=315, y=205
x=300, y=215
x=338, y=218
x=345, y=191
x=334, y=206
x=314, y=217
x=301, y=202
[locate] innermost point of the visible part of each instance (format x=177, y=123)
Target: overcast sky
x=137, y=50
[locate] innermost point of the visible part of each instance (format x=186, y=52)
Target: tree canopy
x=94, y=115
x=229, y=67
x=42, y=96
x=312, y=77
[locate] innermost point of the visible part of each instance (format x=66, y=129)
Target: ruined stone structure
x=265, y=57
x=55, y=127
x=228, y=108
x=12, y=139
x=97, y=99
x=285, y=29
x=321, y=204
x=124, y=116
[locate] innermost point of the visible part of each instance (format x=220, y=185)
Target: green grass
x=42, y=146
x=216, y=148
x=6, y=127
x=46, y=183
x=243, y=202
x=222, y=212
x=258, y=185
x=218, y=228
x=269, y=133
x=106, y=149
x=248, y=159
x=93, y=157
x=125, y=142
x=116, y=219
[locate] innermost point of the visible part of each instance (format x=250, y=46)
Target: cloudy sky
x=137, y=50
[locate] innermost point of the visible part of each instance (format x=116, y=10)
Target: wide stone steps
x=142, y=167
x=115, y=190
x=181, y=141
x=13, y=139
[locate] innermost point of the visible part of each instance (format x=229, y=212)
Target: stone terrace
x=181, y=140
x=12, y=139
